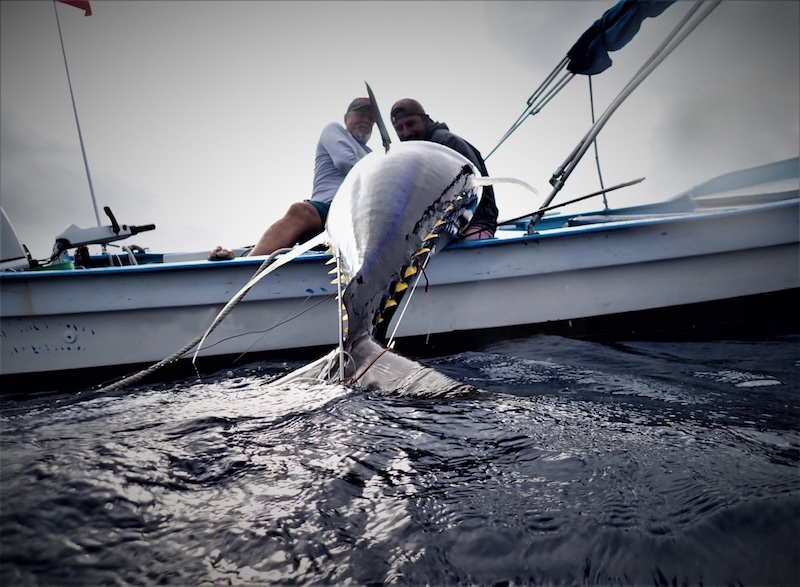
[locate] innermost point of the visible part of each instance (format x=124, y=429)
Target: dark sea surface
x=645, y=463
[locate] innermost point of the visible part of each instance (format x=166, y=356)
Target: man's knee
x=304, y=214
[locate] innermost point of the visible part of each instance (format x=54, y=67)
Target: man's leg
x=301, y=218
x=475, y=233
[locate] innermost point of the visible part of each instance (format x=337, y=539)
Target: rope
x=237, y=298
x=292, y=253
x=151, y=369
x=191, y=344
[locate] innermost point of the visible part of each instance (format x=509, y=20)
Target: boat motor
x=74, y=236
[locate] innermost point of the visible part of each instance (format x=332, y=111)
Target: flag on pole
x=82, y=4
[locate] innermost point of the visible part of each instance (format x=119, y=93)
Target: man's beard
x=362, y=136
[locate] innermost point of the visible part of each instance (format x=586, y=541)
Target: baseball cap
x=406, y=107
x=359, y=103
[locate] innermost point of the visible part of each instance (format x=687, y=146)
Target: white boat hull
x=54, y=321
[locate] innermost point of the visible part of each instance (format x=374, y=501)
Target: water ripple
x=627, y=466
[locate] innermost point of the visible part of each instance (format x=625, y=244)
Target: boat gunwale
x=510, y=237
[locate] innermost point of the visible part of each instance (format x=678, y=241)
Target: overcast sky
x=202, y=116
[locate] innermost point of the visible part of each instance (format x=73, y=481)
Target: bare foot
x=220, y=254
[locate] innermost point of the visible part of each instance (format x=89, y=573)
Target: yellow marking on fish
x=389, y=304
x=409, y=272
x=431, y=236
x=331, y=261
x=422, y=251
x=401, y=287
x=439, y=223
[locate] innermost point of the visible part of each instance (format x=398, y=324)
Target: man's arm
x=341, y=147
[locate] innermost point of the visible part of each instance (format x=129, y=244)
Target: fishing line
x=271, y=328
x=266, y=268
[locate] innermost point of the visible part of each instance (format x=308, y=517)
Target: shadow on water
x=581, y=462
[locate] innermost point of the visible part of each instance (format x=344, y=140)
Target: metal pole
x=77, y=122
x=673, y=40
x=596, y=150
x=531, y=108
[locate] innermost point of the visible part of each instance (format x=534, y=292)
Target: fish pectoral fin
x=475, y=181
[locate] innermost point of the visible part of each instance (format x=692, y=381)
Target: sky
x=202, y=117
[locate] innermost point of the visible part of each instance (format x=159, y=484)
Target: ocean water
x=578, y=463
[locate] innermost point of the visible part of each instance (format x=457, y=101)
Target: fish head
x=393, y=211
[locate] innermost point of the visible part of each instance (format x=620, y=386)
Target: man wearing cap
x=412, y=123
x=339, y=148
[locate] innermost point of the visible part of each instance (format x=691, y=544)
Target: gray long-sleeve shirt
x=337, y=152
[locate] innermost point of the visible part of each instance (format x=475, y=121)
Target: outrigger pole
x=675, y=37
x=77, y=122
x=533, y=107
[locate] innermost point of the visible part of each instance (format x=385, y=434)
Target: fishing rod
x=586, y=197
